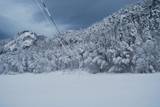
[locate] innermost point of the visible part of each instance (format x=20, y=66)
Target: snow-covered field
x=80, y=90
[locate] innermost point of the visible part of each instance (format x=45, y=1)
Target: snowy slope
x=80, y=90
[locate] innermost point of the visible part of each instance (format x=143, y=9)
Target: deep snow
x=60, y=89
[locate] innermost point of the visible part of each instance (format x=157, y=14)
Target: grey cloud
x=18, y=15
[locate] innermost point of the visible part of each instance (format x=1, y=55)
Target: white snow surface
x=80, y=89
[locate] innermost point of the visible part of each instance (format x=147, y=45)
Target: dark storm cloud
x=82, y=13
x=18, y=15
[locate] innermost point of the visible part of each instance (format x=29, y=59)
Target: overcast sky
x=19, y=15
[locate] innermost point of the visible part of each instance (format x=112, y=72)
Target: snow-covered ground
x=80, y=90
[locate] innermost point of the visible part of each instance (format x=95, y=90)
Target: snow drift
x=80, y=90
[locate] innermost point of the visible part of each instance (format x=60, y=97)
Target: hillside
x=126, y=41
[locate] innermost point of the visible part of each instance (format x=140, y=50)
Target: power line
x=40, y=7
x=52, y=20
x=43, y=7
